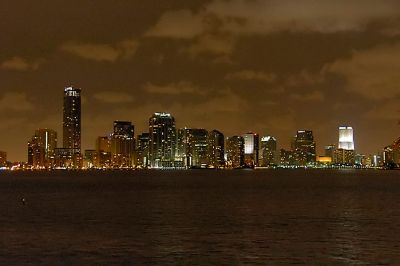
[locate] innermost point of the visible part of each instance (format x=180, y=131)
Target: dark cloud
x=267, y=66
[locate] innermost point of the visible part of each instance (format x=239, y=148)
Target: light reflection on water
x=201, y=217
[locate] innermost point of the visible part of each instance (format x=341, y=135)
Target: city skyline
x=271, y=67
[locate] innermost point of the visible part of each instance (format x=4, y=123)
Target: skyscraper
x=142, y=149
x=235, y=151
x=251, y=148
x=47, y=138
x=41, y=148
x=346, y=140
x=103, y=148
x=304, y=148
x=216, y=149
x=198, y=147
x=123, y=144
x=162, y=141
x=72, y=120
x=268, y=150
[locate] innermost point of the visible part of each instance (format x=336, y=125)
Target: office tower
x=103, y=148
x=235, y=152
x=251, y=149
x=47, y=139
x=36, y=153
x=162, y=139
x=268, y=151
x=198, y=144
x=304, y=148
x=142, y=150
x=72, y=120
x=216, y=149
x=346, y=141
x=183, y=151
x=123, y=144
x=3, y=159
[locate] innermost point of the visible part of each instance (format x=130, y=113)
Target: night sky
x=272, y=67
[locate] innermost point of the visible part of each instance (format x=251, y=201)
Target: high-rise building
x=192, y=147
x=3, y=159
x=162, y=141
x=47, y=138
x=344, y=157
x=142, y=150
x=235, y=152
x=36, y=153
x=41, y=148
x=216, y=149
x=103, y=148
x=72, y=120
x=268, y=151
x=251, y=149
x=287, y=157
x=198, y=143
x=346, y=140
x=304, y=148
x=123, y=144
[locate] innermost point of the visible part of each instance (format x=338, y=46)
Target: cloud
x=102, y=52
x=251, y=75
x=113, y=97
x=15, y=101
x=372, y=73
x=390, y=110
x=178, y=24
x=212, y=44
x=243, y=16
x=309, y=97
x=182, y=87
x=20, y=64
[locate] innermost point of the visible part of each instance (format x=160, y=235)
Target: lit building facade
x=3, y=159
x=91, y=158
x=268, y=151
x=251, y=149
x=103, y=148
x=304, y=148
x=344, y=157
x=142, y=150
x=216, y=149
x=162, y=142
x=72, y=120
x=123, y=144
x=41, y=148
x=346, y=139
x=235, y=152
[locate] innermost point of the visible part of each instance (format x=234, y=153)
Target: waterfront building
x=47, y=140
x=346, y=138
x=142, y=150
x=268, y=151
x=251, y=149
x=344, y=157
x=216, y=149
x=162, y=140
x=304, y=148
x=3, y=159
x=192, y=147
x=103, y=148
x=91, y=158
x=123, y=145
x=235, y=152
x=287, y=157
x=72, y=120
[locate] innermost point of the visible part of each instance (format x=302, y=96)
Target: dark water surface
x=305, y=217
